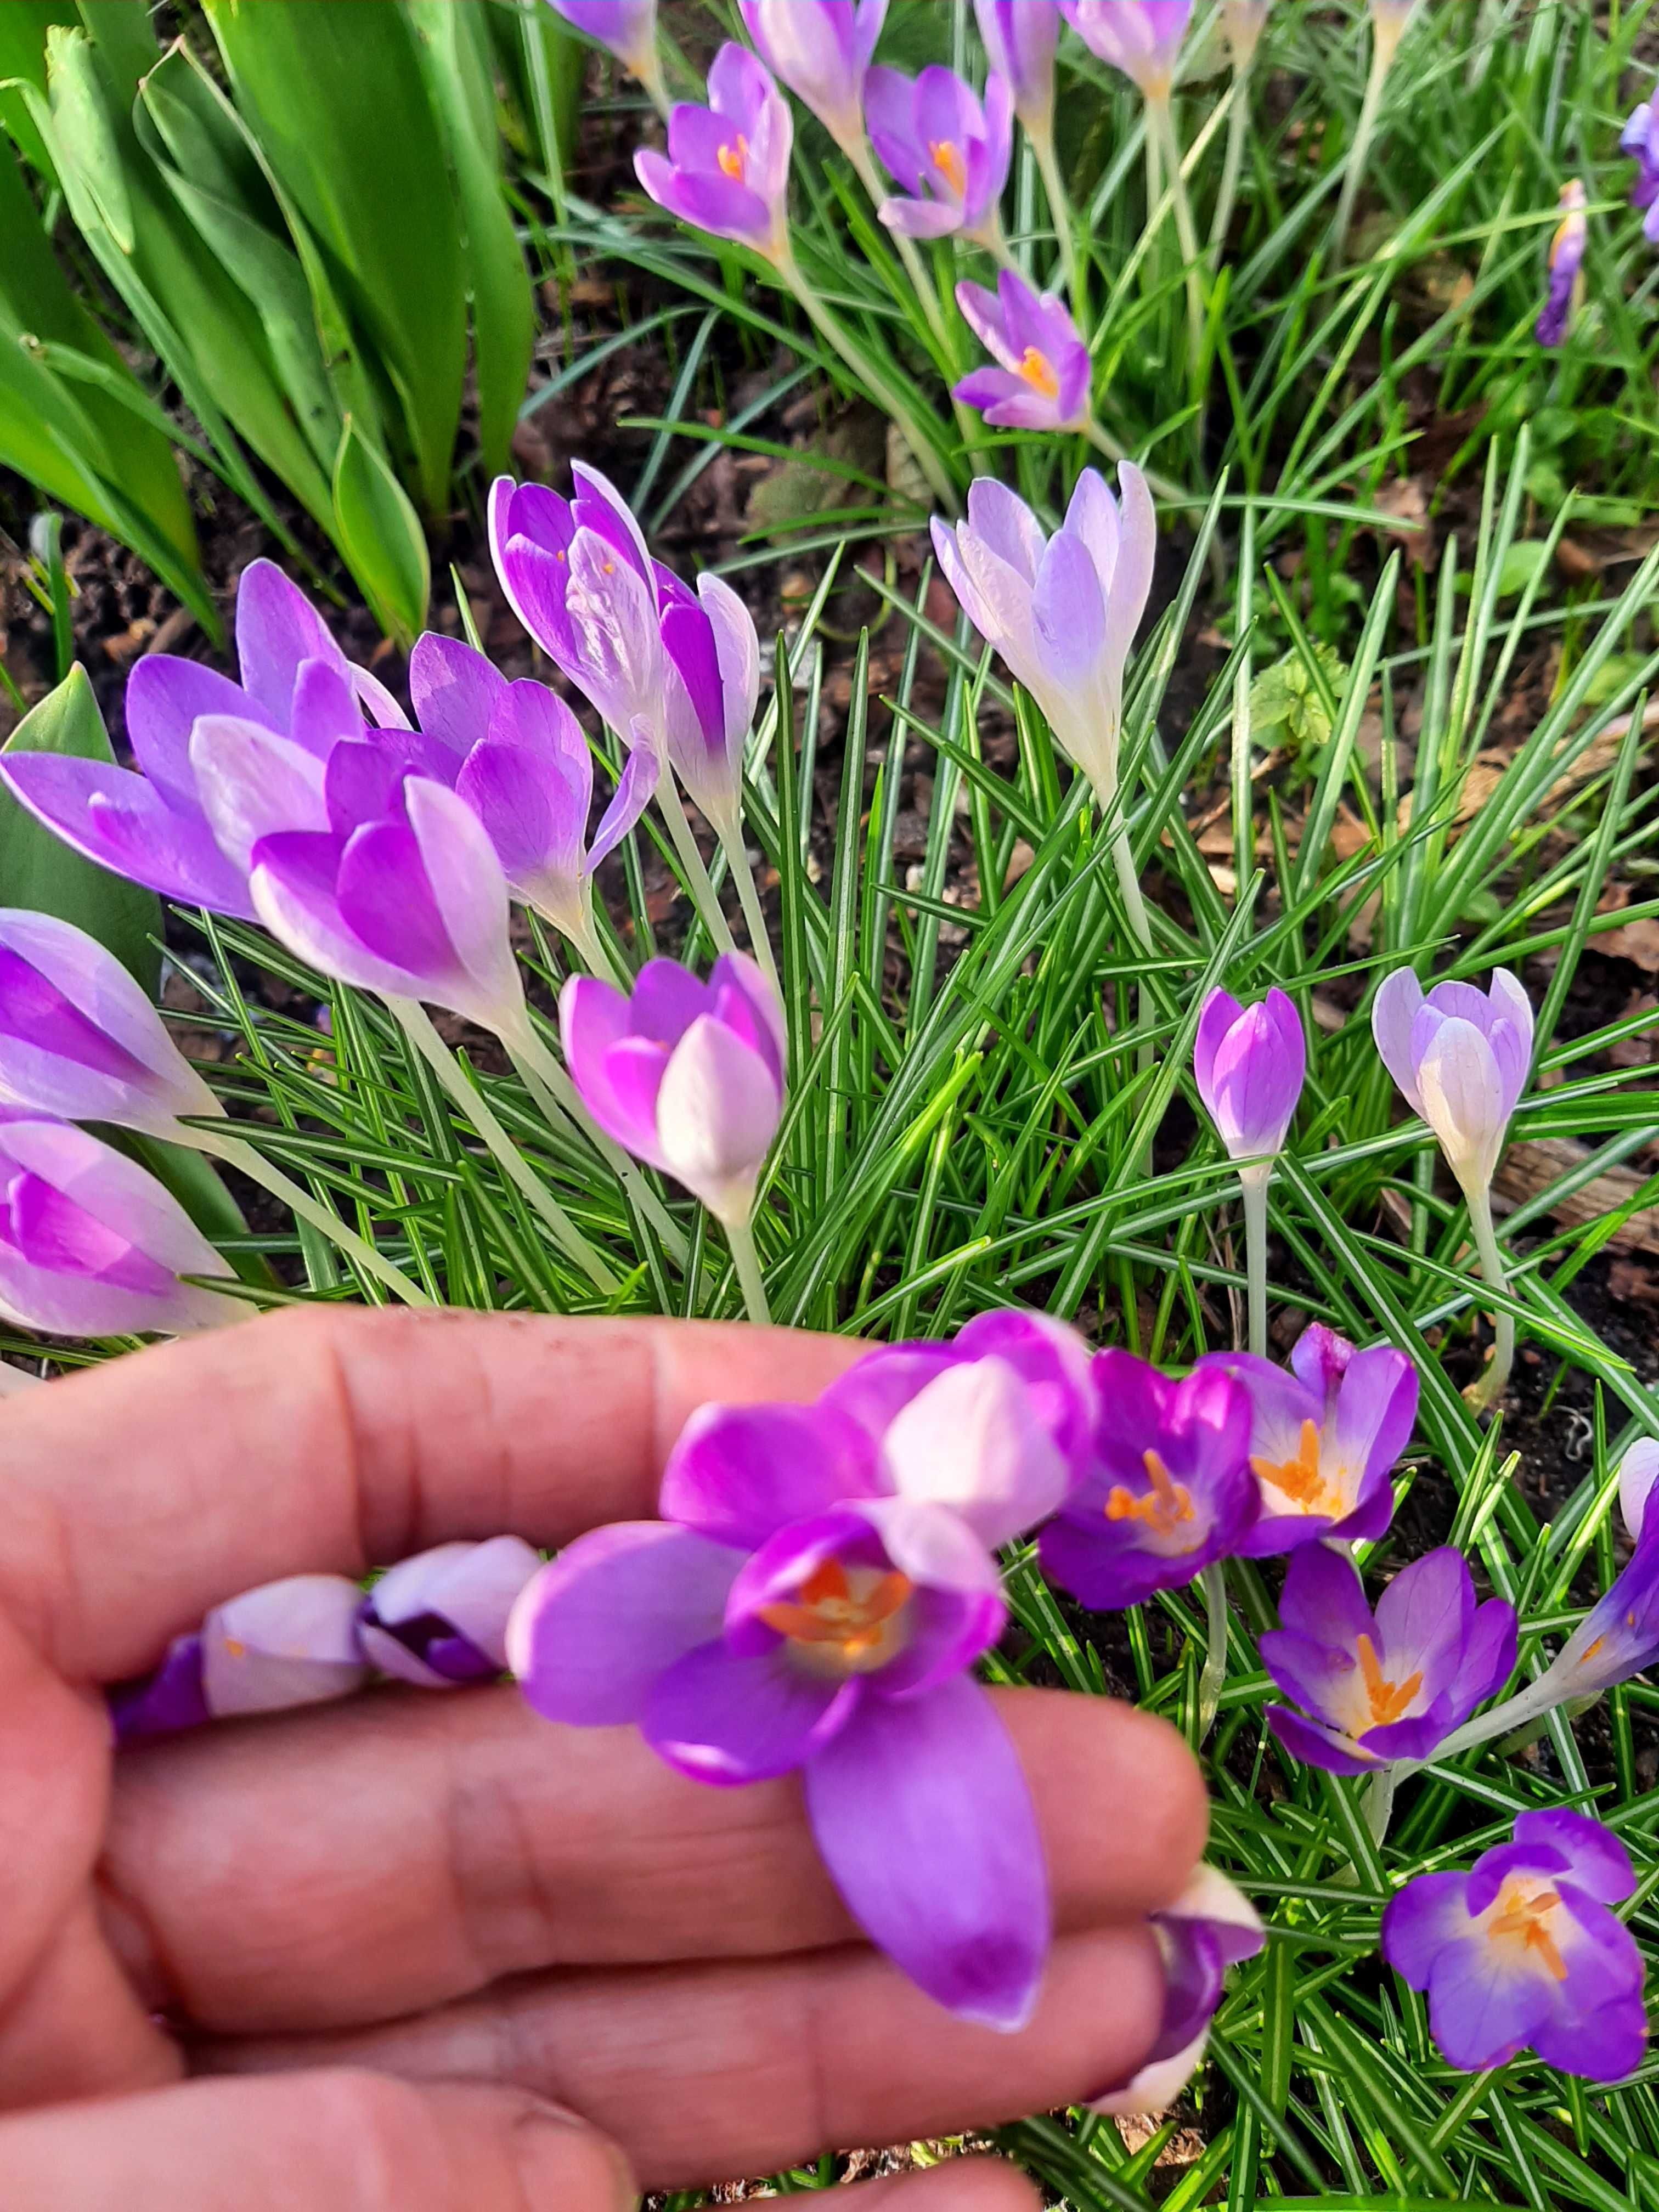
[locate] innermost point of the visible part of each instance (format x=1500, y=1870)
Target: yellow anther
x=1038, y=372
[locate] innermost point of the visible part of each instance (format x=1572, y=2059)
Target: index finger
x=140, y=1494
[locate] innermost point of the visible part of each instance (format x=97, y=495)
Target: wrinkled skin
x=381, y=1954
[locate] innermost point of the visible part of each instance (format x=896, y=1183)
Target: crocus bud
x=1389, y=21
x=79, y=1039
x=92, y=1245
x=1140, y=37
x=1020, y=37
x=727, y=166
x=290, y=1643
x=1640, y=140
x=714, y=655
x=1250, y=1065
x=627, y=28
x=821, y=49
x=1244, y=22
x=1211, y=1926
x=1062, y=610
x=1567, y=260
x=1459, y=1057
x=441, y=1620
x=1638, y=1471
x=1044, y=373
x=688, y=1076
x=948, y=154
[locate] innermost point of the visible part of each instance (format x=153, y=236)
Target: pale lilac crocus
x=1142, y=38
x=628, y=28
x=1020, y=38
x=1459, y=1057
x=1526, y=1951
x=726, y=170
x=1324, y=1438
x=439, y=1619
x=522, y=763
x=1640, y=140
x=90, y=1242
x=1376, y=1688
x=1210, y=1927
x=948, y=153
x=821, y=49
x=285, y=1644
x=1060, y=610
x=1638, y=1471
x=1243, y=21
x=1163, y=1491
x=79, y=1039
x=1618, y=1637
x=149, y=824
x=1042, y=378
x=714, y=654
x=1564, y=263
x=811, y=1600
x=687, y=1076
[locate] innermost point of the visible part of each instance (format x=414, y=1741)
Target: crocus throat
x=1038, y=371
x=1163, y=1509
x=735, y=158
x=843, y=1620
x=946, y=157
x=1302, y=1480
x=1521, y=1917
x=1389, y=1701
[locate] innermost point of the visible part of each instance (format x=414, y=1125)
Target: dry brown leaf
x=1632, y=940
x=1526, y=1170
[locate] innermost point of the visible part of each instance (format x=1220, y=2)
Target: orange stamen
x=1389, y=1701
x=946, y=157
x=826, y=1612
x=1038, y=372
x=1524, y=1917
x=1166, y=1506
x=1300, y=1479
x=734, y=159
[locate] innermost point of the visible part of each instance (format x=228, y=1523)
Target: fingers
x=344, y=2141
x=720, y=2071
x=343, y=1867
x=139, y=1495
x=964, y=2184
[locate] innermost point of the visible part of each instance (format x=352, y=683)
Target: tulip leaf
x=380, y=534
x=38, y=870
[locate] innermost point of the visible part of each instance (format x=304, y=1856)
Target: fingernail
x=565, y=2162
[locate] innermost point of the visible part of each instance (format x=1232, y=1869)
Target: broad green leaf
x=23, y=26
x=81, y=105
x=125, y=36
x=38, y=870
x=380, y=536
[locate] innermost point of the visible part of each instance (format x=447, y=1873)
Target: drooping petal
x=122, y=822
x=728, y=1718
x=738, y=1473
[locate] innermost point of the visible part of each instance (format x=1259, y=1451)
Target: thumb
x=340, y=2141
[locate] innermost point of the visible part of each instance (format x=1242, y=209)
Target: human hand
x=402, y=1922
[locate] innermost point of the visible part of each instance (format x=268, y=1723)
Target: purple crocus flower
x=1140, y=37
x=1459, y=1057
x=439, y=1619
x=628, y=28
x=821, y=49
x=1165, y=1491
x=1324, y=1438
x=949, y=155
x=1392, y=1684
x=714, y=657
x=1210, y=1926
x=1524, y=1951
x=165, y=1702
x=1565, y=263
x=1062, y=611
x=1020, y=38
x=1638, y=1471
x=1043, y=379
x=1618, y=1637
x=79, y=1039
x=1250, y=1064
x=150, y=826
x=811, y=1598
x=522, y=764
x=92, y=1245
x=289, y=1642
x=727, y=166
x=688, y=1076
x=1640, y=140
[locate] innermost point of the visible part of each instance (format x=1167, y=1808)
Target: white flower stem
x=1383, y=43
x=417, y=1026
x=1379, y=1801
x=1060, y=213
x=1252, y=1183
x=648, y=70
x=697, y=880
x=596, y=957
x=1495, y=1381
x=1238, y=128
x=253, y=1165
x=1160, y=122
x=1210, y=1682
x=743, y=875
x=560, y=1100
x=740, y=1235
x=864, y=161
x=1531, y=1704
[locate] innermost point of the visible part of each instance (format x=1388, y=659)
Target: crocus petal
x=473, y=1586
x=718, y=1111
x=925, y=1826
x=1463, y=1099
x=634, y=787
x=470, y=893
x=1394, y=1011
x=164, y=697
x=738, y=1473
x=455, y=690
x=290, y=1643
x=276, y=630
x=726, y=1718
x=254, y=784
x=1638, y=1471
x=590, y=1635
x=972, y=1440
x=120, y=821
x=594, y=1027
